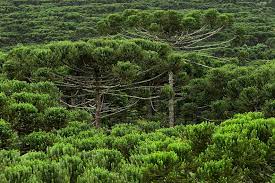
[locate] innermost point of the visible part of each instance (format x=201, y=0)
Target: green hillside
x=142, y=91
x=50, y=20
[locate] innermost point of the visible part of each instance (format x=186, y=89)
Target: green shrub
x=108, y=159
x=216, y=170
x=11, y=86
x=126, y=143
x=61, y=149
x=150, y=146
x=55, y=118
x=74, y=165
x=123, y=129
x=24, y=117
x=243, y=140
x=38, y=141
x=233, y=151
x=92, y=132
x=7, y=135
x=8, y=157
x=79, y=115
x=250, y=125
x=99, y=175
x=73, y=128
x=89, y=143
x=3, y=105
x=40, y=101
x=18, y=173
x=50, y=171
x=158, y=165
x=269, y=108
x=132, y=173
x=35, y=155
x=170, y=132
x=182, y=149
x=271, y=153
x=148, y=126
x=200, y=135
x=45, y=88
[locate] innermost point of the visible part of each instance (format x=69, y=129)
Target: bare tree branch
x=77, y=106
x=131, y=96
x=120, y=110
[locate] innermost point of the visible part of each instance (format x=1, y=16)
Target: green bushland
x=231, y=151
x=66, y=65
x=29, y=107
x=31, y=22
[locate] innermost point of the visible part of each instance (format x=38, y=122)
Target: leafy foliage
x=233, y=150
x=99, y=69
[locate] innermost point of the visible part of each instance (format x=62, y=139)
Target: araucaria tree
x=191, y=31
x=103, y=76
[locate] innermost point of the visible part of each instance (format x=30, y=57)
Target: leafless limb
x=121, y=110
x=131, y=96
x=152, y=106
x=77, y=106
x=207, y=46
x=180, y=41
x=195, y=63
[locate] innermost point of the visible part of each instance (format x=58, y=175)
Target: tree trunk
x=98, y=109
x=149, y=110
x=171, y=101
x=73, y=99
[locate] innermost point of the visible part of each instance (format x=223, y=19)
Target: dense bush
x=231, y=151
x=31, y=107
x=38, y=141
x=23, y=117
x=7, y=135
x=55, y=117
x=231, y=89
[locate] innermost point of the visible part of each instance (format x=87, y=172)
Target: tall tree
x=98, y=73
x=192, y=31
